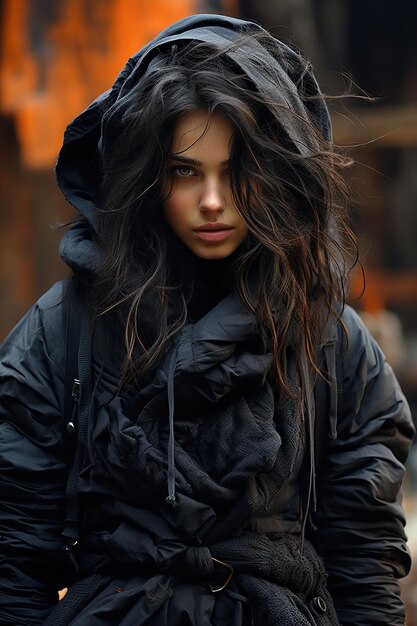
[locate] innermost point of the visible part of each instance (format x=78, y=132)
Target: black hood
x=77, y=169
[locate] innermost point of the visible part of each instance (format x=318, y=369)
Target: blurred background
x=58, y=55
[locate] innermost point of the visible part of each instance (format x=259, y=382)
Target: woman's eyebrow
x=184, y=159
x=190, y=161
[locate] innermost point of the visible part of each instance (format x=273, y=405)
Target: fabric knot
x=198, y=563
x=197, y=560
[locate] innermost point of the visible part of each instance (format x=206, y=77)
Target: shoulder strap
x=76, y=406
x=73, y=316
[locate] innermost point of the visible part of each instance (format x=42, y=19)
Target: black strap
x=77, y=401
x=73, y=316
x=77, y=597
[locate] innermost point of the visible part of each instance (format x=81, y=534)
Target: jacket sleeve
x=32, y=469
x=360, y=519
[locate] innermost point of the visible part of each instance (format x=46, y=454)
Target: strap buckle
x=68, y=549
x=75, y=391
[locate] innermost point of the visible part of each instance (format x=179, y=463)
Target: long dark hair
x=287, y=185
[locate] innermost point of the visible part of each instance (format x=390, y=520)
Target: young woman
x=240, y=440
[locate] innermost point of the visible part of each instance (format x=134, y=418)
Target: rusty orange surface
x=48, y=75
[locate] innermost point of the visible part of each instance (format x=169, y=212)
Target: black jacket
x=238, y=470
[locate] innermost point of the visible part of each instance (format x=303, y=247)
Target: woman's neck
x=213, y=280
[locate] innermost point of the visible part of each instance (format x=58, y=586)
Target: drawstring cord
x=311, y=497
x=329, y=354
x=330, y=359
x=171, y=498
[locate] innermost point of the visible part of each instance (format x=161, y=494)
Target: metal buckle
x=68, y=551
x=229, y=577
x=75, y=392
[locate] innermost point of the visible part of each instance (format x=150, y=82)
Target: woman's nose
x=212, y=199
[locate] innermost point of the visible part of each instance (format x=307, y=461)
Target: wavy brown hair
x=286, y=180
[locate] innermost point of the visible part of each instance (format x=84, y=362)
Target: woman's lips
x=214, y=232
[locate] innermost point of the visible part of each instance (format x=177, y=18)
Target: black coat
x=359, y=516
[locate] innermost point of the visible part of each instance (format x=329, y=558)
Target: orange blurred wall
x=81, y=46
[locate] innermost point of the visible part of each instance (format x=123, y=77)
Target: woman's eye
x=183, y=171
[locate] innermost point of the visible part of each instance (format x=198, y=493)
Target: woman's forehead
x=199, y=135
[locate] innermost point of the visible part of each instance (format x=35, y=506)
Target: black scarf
x=209, y=430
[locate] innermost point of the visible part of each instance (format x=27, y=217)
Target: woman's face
x=200, y=208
